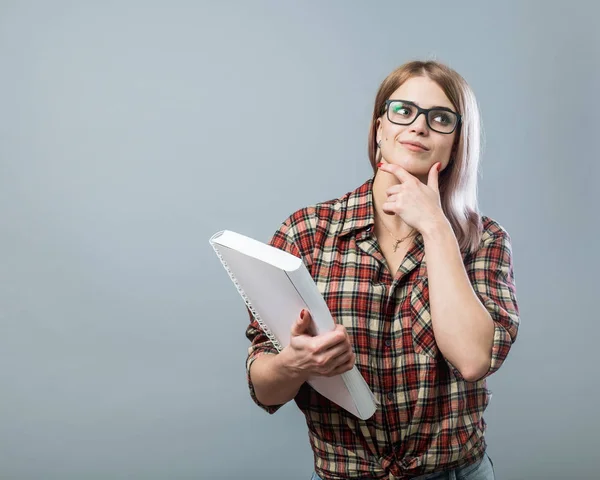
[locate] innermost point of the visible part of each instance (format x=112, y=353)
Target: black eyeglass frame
x=386, y=109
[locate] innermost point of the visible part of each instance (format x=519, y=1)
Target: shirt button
x=390, y=395
x=388, y=343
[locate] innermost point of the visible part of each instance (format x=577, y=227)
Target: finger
x=433, y=177
x=388, y=208
x=344, y=367
x=398, y=172
x=329, y=340
x=337, y=339
x=336, y=355
x=329, y=363
x=299, y=325
x=347, y=357
x=342, y=329
x=303, y=324
x=335, y=351
x=394, y=189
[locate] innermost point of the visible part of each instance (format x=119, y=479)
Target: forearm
x=462, y=326
x=273, y=383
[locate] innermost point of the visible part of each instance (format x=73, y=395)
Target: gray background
x=132, y=131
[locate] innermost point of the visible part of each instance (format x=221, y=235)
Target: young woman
x=421, y=287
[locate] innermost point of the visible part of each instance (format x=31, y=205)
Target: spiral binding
x=255, y=314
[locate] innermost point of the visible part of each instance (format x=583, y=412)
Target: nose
x=419, y=126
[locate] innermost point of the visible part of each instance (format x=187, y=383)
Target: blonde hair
x=458, y=181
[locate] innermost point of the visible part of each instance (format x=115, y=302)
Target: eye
x=443, y=118
x=401, y=109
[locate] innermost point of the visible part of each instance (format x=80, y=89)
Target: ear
x=378, y=130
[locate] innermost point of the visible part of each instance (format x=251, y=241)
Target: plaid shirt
x=429, y=418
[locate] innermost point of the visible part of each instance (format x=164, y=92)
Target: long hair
x=458, y=181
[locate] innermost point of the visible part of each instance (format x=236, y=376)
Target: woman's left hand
x=417, y=204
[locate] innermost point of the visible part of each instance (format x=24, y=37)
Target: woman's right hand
x=307, y=355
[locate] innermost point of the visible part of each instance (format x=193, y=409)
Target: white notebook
x=276, y=286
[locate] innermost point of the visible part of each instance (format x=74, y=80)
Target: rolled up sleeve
x=284, y=239
x=492, y=276
x=260, y=345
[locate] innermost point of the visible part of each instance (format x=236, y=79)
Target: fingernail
x=302, y=314
x=380, y=164
x=439, y=167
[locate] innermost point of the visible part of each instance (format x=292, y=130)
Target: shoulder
x=309, y=226
x=327, y=215
x=493, y=232
x=495, y=250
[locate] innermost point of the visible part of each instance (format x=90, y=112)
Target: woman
x=421, y=287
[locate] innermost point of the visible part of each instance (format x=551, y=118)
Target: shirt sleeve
x=491, y=273
x=259, y=342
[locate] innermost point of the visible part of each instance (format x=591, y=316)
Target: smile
x=414, y=147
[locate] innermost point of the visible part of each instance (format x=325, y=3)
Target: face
x=416, y=147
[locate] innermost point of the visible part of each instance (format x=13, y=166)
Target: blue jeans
x=481, y=470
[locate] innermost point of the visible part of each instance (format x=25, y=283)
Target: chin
x=414, y=166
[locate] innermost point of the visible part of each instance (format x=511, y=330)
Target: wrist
x=436, y=228
x=284, y=366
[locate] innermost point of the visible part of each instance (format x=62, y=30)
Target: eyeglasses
x=439, y=119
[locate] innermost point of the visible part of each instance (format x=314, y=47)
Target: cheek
x=444, y=149
x=391, y=132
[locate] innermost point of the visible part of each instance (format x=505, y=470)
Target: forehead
x=423, y=91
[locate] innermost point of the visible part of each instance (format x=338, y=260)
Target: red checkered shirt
x=429, y=418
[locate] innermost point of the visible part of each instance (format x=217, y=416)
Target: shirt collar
x=359, y=209
x=359, y=215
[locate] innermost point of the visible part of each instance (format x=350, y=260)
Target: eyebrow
x=434, y=106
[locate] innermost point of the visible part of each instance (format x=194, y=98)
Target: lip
x=415, y=146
